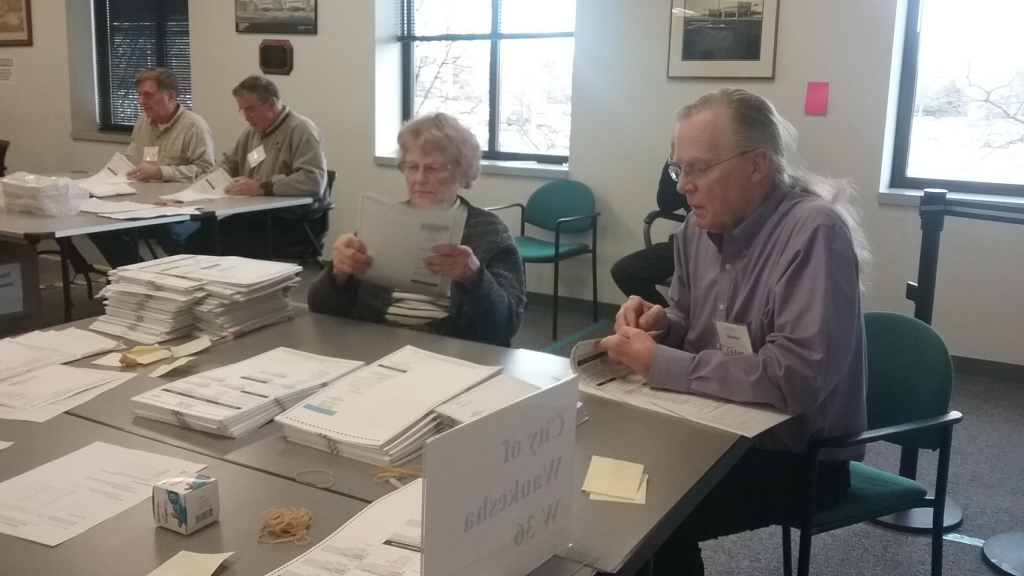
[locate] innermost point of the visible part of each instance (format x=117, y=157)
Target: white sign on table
x=498, y=490
x=11, y=296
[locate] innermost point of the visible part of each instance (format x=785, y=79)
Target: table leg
x=1005, y=553
x=65, y=276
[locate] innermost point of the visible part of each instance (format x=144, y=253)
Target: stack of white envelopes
x=234, y=400
x=384, y=413
x=148, y=306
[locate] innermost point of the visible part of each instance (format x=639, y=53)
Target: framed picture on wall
x=723, y=38
x=275, y=16
x=15, y=23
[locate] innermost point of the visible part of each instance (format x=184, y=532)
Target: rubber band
x=315, y=471
x=285, y=525
x=388, y=473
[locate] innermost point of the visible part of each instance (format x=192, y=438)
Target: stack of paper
x=239, y=398
x=616, y=481
x=243, y=295
x=148, y=307
x=383, y=414
x=43, y=393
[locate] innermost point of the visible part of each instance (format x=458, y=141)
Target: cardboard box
x=186, y=504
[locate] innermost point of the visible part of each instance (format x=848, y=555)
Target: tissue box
x=186, y=504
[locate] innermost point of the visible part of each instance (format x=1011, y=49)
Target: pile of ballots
x=236, y=399
x=216, y=296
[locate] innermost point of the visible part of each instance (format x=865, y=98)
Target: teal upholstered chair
x=910, y=380
x=562, y=207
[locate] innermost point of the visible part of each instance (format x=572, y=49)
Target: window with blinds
x=132, y=35
x=502, y=67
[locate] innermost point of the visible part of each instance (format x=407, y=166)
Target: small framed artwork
x=15, y=23
x=276, y=16
x=723, y=39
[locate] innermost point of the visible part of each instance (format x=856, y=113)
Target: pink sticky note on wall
x=817, y=99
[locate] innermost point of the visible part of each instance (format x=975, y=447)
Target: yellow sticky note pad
x=640, y=498
x=112, y=360
x=613, y=477
x=168, y=367
x=190, y=564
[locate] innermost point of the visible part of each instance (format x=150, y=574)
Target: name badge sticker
x=256, y=156
x=733, y=339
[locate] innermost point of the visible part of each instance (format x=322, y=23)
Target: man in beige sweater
x=169, y=143
x=280, y=154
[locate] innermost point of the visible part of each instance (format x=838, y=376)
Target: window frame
x=407, y=40
x=905, y=120
x=101, y=45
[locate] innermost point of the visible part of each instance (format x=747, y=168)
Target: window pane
x=519, y=16
x=452, y=77
x=969, y=111
x=435, y=17
x=536, y=96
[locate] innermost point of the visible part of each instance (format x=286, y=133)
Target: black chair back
x=4, y=145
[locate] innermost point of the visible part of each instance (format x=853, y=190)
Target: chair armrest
x=944, y=421
x=522, y=210
x=656, y=215
x=560, y=221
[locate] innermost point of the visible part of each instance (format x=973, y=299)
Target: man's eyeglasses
x=429, y=170
x=692, y=171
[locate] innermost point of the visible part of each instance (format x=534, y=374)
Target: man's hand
x=145, y=171
x=349, y=255
x=456, y=262
x=638, y=313
x=633, y=347
x=243, y=186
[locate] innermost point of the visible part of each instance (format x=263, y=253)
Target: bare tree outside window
x=968, y=122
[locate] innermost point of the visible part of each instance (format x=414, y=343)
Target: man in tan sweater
x=280, y=154
x=169, y=143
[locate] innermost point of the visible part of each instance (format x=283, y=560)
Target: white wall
x=622, y=121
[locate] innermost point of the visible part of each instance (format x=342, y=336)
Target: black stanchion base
x=919, y=520
x=1005, y=553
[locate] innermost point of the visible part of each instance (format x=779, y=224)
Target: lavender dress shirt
x=790, y=274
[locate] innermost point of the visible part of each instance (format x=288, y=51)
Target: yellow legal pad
x=613, y=477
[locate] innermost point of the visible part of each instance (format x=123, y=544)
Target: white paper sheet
x=489, y=396
x=46, y=385
x=80, y=343
x=398, y=237
x=209, y=187
x=112, y=180
x=67, y=496
x=44, y=413
x=5, y=444
x=97, y=206
x=157, y=212
x=17, y=358
x=598, y=374
x=385, y=538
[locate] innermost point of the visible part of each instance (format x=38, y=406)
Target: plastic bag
x=41, y=195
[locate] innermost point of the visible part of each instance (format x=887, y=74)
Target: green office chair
x=910, y=380
x=562, y=207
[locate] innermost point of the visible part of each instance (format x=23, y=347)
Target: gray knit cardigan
x=490, y=313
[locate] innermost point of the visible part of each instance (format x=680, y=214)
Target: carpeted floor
x=987, y=464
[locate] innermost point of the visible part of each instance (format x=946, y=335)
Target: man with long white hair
x=764, y=308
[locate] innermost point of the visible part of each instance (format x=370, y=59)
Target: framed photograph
x=275, y=16
x=723, y=38
x=15, y=23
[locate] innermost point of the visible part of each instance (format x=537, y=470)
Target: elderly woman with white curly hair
x=438, y=157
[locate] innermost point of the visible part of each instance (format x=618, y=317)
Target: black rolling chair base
x=919, y=520
x=1005, y=553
